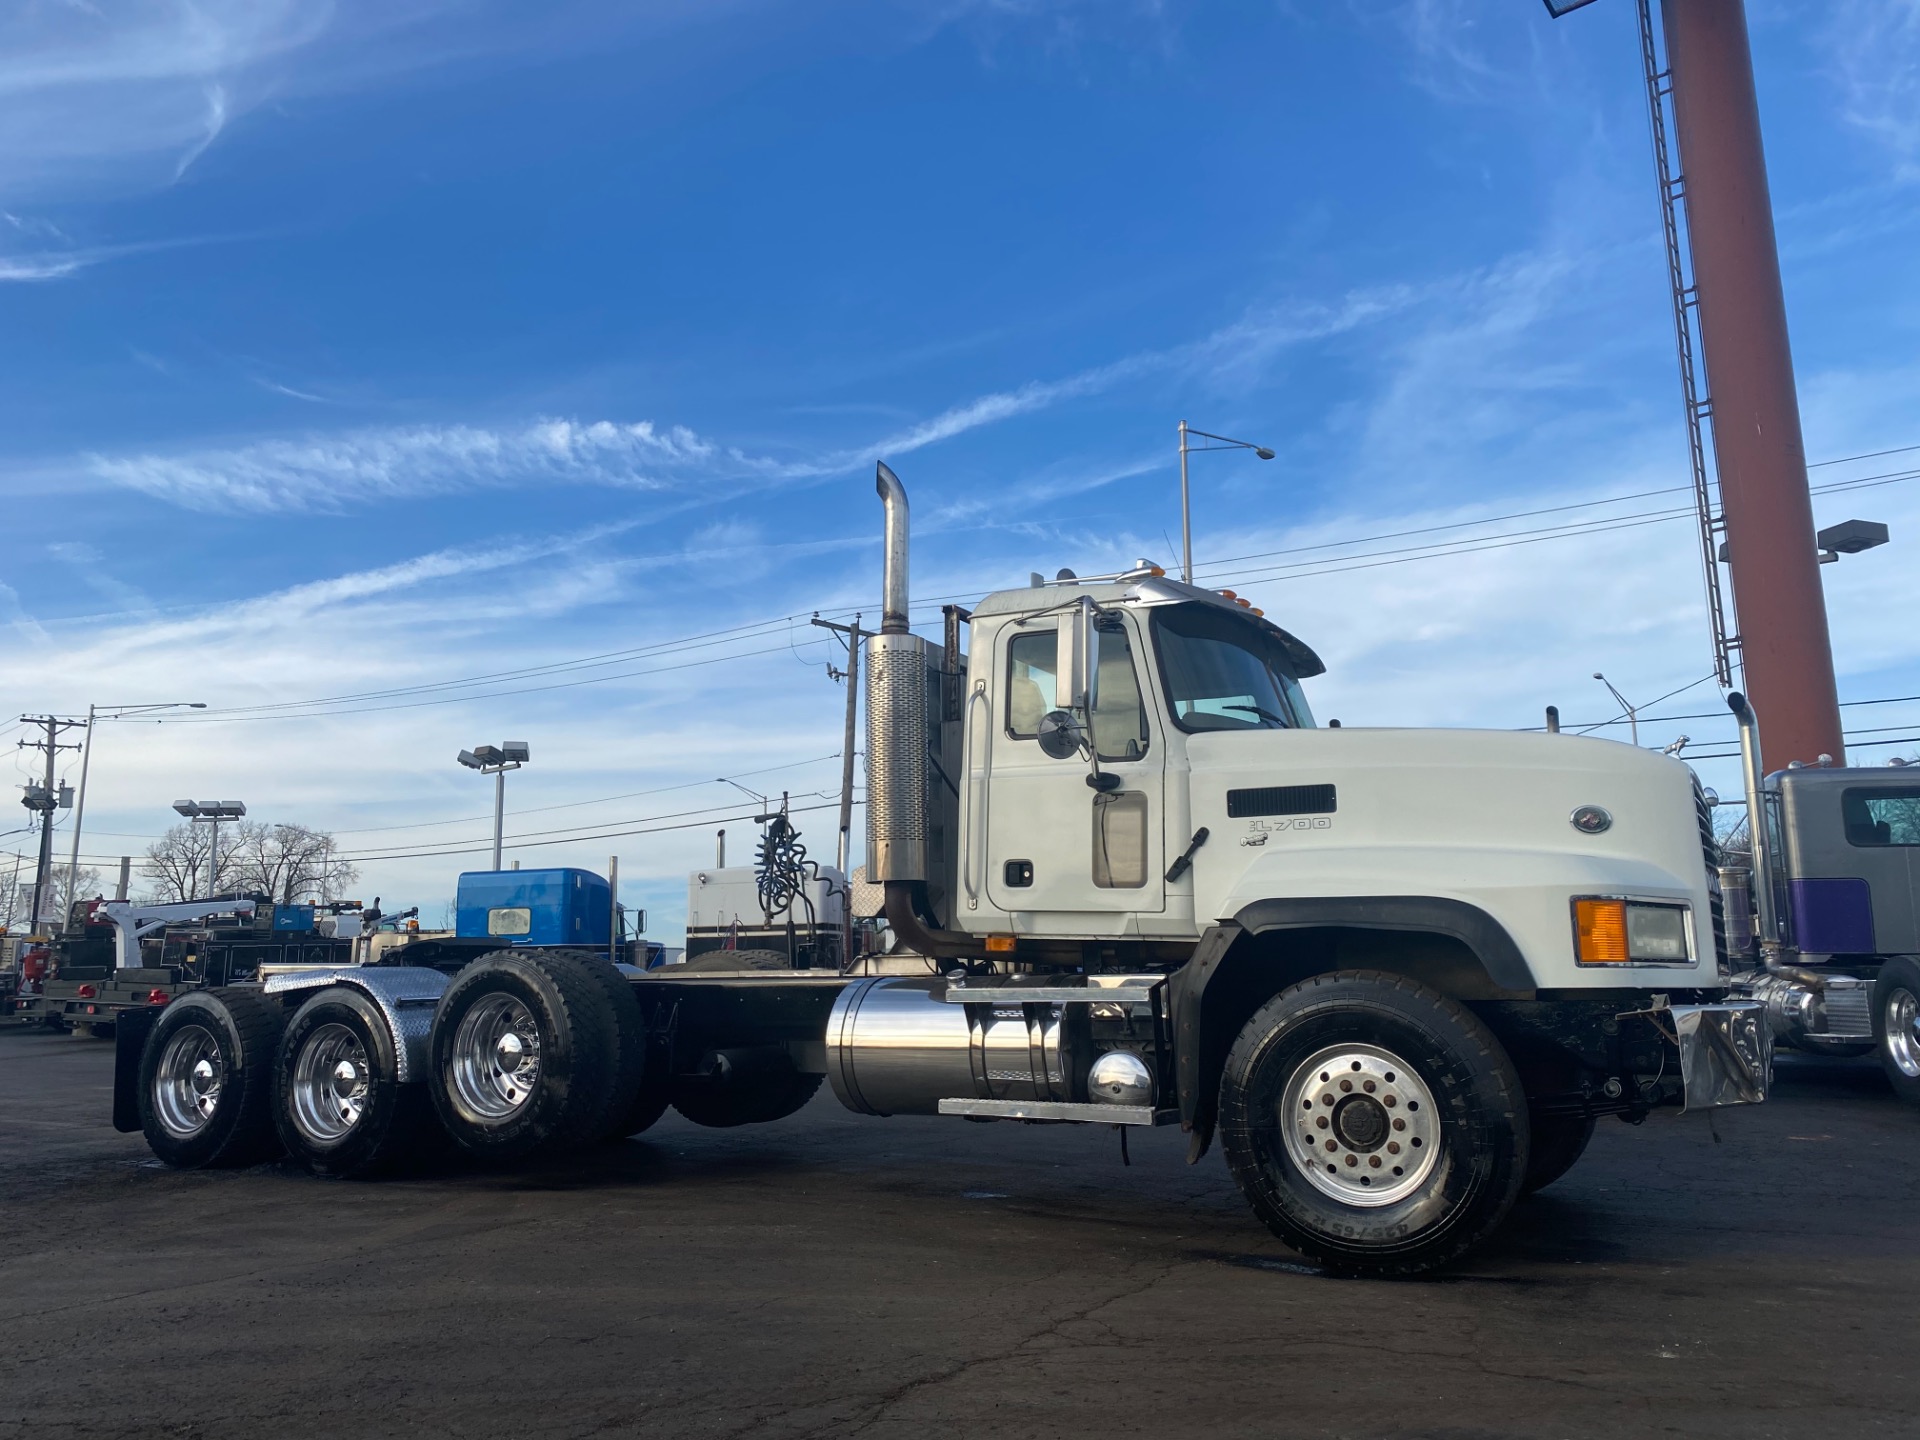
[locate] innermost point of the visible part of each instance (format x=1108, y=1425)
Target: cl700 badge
x=1259, y=830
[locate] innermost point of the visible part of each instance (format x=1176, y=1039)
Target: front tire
x=526, y=1055
x=339, y=1106
x=1896, y=1025
x=206, y=1079
x=1375, y=1125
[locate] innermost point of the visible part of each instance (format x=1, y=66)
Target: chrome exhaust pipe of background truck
x=1766, y=919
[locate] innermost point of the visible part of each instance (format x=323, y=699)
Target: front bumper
x=1723, y=1051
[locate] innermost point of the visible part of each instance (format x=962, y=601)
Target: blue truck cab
x=534, y=907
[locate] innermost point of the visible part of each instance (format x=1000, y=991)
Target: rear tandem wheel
x=533, y=1052
x=206, y=1079
x=338, y=1102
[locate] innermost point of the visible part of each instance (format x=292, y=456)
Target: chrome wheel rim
x=331, y=1078
x=1360, y=1124
x=1903, y=1032
x=496, y=1058
x=188, y=1081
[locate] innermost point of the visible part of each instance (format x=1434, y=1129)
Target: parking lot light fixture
x=213, y=812
x=496, y=760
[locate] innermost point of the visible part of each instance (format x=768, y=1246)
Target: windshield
x=1225, y=673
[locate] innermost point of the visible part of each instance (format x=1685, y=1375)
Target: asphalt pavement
x=1755, y=1273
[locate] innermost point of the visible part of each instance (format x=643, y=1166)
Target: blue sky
x=350, y=349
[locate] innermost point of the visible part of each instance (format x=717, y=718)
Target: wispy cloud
x=1874, y=50
x=44, y=264
x=91, y=97
x=337, y=472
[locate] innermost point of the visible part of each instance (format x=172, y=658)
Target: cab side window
x=1119, y=714
x=1030, y=663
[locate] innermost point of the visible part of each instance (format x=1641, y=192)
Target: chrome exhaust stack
x=896, y=715
x=1804, y=1007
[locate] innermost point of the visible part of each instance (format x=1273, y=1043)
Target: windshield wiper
x=1264, y=714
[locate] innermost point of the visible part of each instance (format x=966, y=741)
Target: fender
x=1199, y=1058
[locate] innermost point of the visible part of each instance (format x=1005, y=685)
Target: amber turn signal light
x=999, y=944
x=1600, y=928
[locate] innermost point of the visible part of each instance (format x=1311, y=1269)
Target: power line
x=351, y=703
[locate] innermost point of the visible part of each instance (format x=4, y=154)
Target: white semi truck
x=1396, y=974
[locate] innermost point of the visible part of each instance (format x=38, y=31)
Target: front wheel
x=1896, y=1025
x=1375, y=1125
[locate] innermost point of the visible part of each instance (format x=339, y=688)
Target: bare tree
x=86, y=886
x=176, y=863
x=292, y=862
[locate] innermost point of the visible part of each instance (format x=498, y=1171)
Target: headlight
x=1627, y=932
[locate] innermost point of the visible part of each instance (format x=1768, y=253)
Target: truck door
x=1056, y=847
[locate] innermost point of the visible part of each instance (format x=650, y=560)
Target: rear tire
x=1375, y=1125
x=206, y=1079
x=339, y=1106
x=636, y=1088
x=526, y=1055
x=1556, y=1143
x=1896, y=1025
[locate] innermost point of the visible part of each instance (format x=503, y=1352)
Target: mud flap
x=130, y=1031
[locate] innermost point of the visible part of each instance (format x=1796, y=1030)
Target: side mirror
x=1059, y=735
x=1076, y=670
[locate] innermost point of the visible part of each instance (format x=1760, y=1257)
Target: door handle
x=1185, y=862
x=974, y=861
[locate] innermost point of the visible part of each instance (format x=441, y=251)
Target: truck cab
x=1825, y=912
x=1198, y=788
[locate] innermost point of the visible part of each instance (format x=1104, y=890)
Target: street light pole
x=499, y=813
x=1186, y=513
x=1186, y=507
x=1633, y=715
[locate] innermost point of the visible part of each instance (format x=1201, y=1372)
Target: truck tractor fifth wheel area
x=1124, y=880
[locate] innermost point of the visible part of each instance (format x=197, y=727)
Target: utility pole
x=45, y=799
x=852, y=635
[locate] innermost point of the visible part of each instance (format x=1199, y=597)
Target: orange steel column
x=1778, y=603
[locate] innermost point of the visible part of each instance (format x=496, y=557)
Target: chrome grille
x=1710, y=850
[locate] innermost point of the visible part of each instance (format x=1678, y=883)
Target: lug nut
x=1367, y=1085
x=1374, y=1161
x=1352, y=1160
x=1393, y=1147
x=1346, y=1085
x=1321, y=1121
x=1391, y=1101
